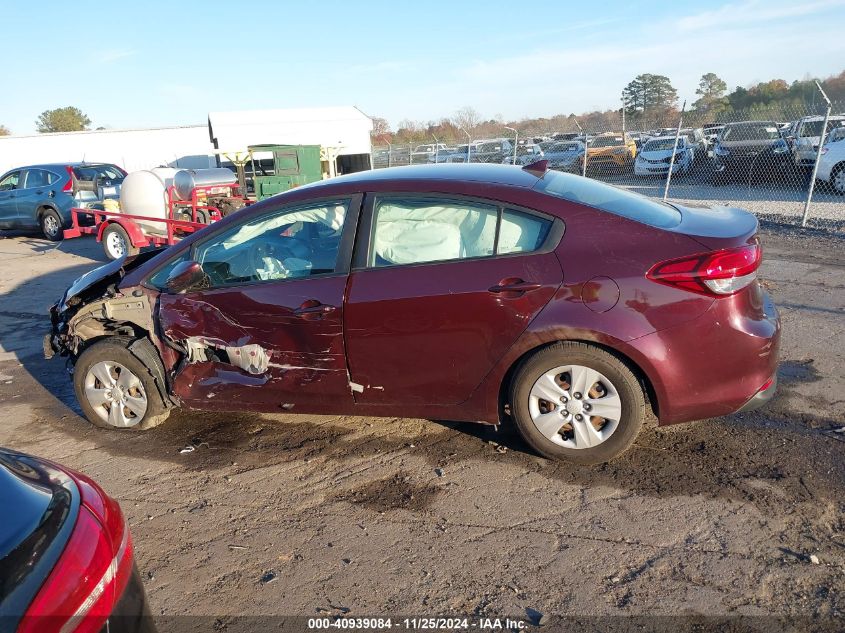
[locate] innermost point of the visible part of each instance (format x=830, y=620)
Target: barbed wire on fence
x=760, y=159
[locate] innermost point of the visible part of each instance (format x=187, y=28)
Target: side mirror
x=186, y=276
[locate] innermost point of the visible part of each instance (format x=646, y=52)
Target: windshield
x=489, y=147
x=608, y=198
x=762, y=131
x=607, y=141
x=662, y=144
x=837, y=134
x=565, y=147
x=814, y=128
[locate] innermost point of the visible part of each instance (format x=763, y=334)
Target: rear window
x=662, y=144
x=607, y=141
x=104, y=172
x=608, y=198
x=763, y=131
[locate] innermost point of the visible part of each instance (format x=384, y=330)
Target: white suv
x=832, y=161
x=805, y=139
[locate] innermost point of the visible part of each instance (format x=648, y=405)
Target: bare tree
x=467, y=118
x=380, y=127
x=4, y=131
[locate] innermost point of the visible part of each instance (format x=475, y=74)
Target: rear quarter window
x=608, y=198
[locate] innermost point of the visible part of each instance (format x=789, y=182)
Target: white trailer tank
x=145, y=193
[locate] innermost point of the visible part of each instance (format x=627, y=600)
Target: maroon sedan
x=466, y=292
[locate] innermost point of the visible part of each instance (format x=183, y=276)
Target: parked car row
x=742, y=150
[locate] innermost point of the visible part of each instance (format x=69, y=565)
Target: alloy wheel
x=839, y=181
x=51, y=225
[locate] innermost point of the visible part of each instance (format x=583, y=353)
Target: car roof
x=58, y=165
x=820, y=117
x=666, y=138
x=735, y=123
x=507, y=175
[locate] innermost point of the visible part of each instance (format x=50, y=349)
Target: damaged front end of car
x=94, y=308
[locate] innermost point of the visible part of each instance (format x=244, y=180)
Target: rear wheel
x=116, y=242
x=115, y=389
x=51, y=225
x=578, y=403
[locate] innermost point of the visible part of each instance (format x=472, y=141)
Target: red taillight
x=68, y=188
x=721, y=273
x=91, y=574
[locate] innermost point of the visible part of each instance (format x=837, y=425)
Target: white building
x=194, y=146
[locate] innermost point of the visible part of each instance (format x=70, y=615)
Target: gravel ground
x=309, y=515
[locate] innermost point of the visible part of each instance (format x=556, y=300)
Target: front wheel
x=115, y=389
x=578, y=403
x=837, y=180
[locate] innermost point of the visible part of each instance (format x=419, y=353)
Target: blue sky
x=157, y=63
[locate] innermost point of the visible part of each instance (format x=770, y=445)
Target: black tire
x=114, y=234
x=573, y=353
x=834, y=187
x=51, y=225
x=115, y=350
x=187, y=216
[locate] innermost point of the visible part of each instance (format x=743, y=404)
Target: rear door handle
x=514, y=285
x=312, y=310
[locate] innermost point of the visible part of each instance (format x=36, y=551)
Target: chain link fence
x=762, y=159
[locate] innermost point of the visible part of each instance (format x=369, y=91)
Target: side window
x=412, y=231
x=288, y=244
x=10, y=181
x=521, y=233
x=36, y=178
x=106, y=172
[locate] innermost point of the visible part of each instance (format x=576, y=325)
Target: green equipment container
x=293, y=165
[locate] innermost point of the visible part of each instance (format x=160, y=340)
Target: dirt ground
x=308, y=515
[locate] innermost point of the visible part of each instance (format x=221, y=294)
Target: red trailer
x=122, y=234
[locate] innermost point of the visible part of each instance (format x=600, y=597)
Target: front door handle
x=514, y=286
x=313, y=310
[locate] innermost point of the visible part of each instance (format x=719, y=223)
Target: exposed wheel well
x=648, y=388
x=42, y=210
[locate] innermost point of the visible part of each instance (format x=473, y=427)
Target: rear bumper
x=762, y=397
x=759, y=162
x=717, y=363
x=131, y=613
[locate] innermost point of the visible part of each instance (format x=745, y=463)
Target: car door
x=8, y=199
x=267, y=332
x=34, y=190
x=441, y=288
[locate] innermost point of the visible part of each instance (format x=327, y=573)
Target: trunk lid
x=716, y=227
x=45, y=502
